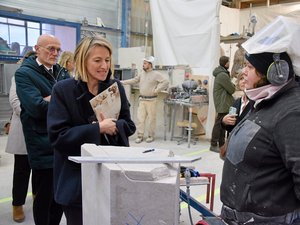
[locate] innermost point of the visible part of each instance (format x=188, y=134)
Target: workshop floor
x=209, y=163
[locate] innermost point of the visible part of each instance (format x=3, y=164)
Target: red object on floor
x=210, y=193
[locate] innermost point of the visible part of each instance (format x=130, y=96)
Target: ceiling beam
x=240, y=4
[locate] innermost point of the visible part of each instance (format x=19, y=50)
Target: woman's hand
x=229, y=119
x=107, y=126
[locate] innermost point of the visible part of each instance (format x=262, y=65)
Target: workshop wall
x=71, y=11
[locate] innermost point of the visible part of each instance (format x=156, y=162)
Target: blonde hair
x=238, y=79
x=26, y=56
x=66, y=57
x=82, y=52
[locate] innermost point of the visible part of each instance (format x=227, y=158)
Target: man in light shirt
x=150, y=84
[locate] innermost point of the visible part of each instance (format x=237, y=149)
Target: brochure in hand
x=108, y=102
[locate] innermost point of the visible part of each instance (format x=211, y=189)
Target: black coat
x=69, y=126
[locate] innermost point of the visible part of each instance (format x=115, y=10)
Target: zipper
x=59, y=72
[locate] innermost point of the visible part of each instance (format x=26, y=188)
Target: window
x=19, y=35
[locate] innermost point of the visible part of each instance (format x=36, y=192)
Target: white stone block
x=116, y=194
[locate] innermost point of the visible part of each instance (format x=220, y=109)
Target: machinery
x=191, y=91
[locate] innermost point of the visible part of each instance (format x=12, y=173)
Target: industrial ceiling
x=242, y=4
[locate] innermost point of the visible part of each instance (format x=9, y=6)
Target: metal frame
x=206, y=212
x=196, y=205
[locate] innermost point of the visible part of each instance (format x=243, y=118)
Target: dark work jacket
x=261, y=172
x=69, y=125
x=33, y=83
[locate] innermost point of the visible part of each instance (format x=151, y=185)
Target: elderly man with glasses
x=34, y=82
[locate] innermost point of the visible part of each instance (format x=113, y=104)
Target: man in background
x=150, y=84
x=34, y=82
x=223, y=99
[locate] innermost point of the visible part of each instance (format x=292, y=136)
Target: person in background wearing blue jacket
x=72, y=121
x=34, y=82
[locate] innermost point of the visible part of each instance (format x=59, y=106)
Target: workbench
x=174, y=104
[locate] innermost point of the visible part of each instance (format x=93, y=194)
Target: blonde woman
x=67, y=61
x=72, y=122
x=241, y=105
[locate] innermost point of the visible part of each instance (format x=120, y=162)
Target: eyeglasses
x=52, y=49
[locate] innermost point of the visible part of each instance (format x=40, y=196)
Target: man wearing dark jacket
x=223, y=99
x=34, y=82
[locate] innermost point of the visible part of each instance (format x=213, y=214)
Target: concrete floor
x=209, y=163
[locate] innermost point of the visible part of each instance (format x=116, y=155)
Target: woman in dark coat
x=72, y=121
x=241, y=105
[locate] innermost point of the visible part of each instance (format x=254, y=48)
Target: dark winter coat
x=223, y=90
x=33, y=83
x=69, y=124
x=261, y=172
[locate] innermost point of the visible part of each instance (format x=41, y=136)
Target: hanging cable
x=147, y=18
x=187, y=175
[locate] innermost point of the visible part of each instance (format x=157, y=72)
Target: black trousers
x=233, y=217
x=218, y=132
x=73, y=215
x=21, y=178
x=45, y=210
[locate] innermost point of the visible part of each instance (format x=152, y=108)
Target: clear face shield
x=281, y=35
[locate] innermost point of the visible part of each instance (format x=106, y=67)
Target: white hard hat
x=150, y=59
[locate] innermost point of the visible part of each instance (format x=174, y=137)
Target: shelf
x=233, y=39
